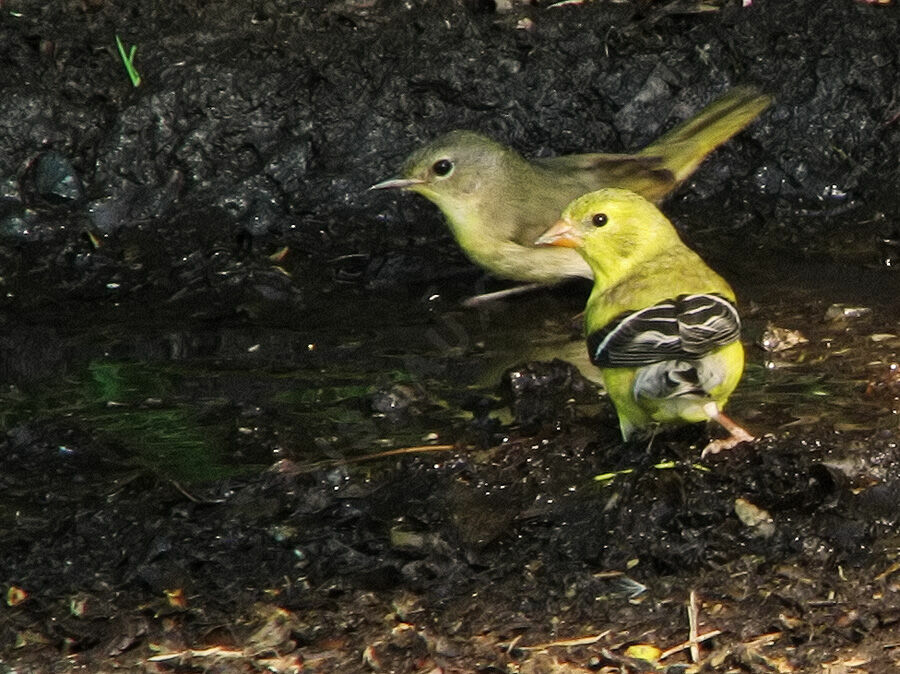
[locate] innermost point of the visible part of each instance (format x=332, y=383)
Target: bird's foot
x=736, y=436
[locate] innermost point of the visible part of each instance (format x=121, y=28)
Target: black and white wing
x=685, y=327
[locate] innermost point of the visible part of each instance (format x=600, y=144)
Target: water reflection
x=361, y=375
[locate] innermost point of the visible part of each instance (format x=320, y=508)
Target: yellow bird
x=497, y=202
x=660, y=324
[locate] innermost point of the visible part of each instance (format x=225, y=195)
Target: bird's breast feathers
x=686, y=327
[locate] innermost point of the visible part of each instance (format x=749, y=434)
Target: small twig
x=693, y=619
x=485, y=298
x=690, y=643
x=577, y=641
x=421, y=449
x=191, y=497
x=565, y=3
x=652, y=437
x=887, y=572
x=206, y=653
x=279, y=254
x=763, y=640
x=512, y=644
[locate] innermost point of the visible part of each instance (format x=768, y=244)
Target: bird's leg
x=484, y=298
x=736, y=436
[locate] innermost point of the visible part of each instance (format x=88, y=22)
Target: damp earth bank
x=247, y=424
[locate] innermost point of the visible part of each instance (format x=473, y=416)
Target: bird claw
x=716, y=446
x=736, y=434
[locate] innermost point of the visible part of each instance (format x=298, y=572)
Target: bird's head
x=456, y=171
x=611, y=228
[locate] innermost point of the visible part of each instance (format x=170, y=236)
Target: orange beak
x=561, y=234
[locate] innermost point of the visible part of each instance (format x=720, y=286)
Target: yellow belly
x=637, y=412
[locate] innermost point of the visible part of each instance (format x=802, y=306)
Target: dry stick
x=205, y=653
x=512, y=644
x=694, y=639
x=421, y=449
x=578, y=641
x=688, y=644
x=763, y=640
x=693, y=619
x=887, y=572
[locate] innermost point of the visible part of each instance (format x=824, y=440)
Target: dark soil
x=210, y=331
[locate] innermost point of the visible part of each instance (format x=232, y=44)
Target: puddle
x=369, y=375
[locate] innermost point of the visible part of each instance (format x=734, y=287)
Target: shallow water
x=366, y=374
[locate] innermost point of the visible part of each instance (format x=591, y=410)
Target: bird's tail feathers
x=668, y=379
x=683, y=148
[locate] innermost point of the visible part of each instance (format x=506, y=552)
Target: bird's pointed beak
x=396, y=184
x=561, y=234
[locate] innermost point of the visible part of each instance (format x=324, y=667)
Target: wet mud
x=247, y=425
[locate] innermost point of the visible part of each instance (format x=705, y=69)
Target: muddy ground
x=248, y=426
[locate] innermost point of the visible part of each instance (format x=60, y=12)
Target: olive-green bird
x=660, y=324
x=497, y=202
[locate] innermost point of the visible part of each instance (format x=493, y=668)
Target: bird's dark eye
x=442, y=167
x=599, y=219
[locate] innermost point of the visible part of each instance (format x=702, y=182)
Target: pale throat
x=464, y=220
x=611, y=264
